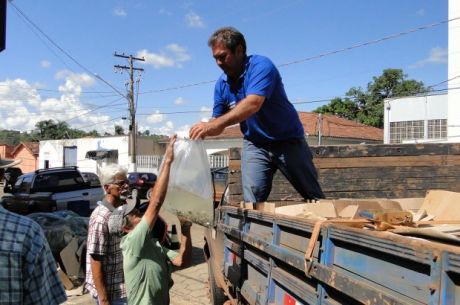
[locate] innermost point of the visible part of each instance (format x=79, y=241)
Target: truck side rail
x=264, y=262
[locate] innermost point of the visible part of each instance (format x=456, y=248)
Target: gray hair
x=230, y=37
x=109, y=173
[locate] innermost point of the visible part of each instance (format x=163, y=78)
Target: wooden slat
x=372, y=171
x=386, y=161
x=349, y=151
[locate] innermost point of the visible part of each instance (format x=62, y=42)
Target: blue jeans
x=122, y=301
x=292, y=157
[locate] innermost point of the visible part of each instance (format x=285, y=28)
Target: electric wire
x=64, y=51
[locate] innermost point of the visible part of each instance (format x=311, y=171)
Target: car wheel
x=216, y=294
x=148, y=194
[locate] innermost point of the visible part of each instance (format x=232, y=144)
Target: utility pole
x=131, y=104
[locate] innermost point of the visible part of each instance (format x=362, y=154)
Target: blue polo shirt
x=277, y=119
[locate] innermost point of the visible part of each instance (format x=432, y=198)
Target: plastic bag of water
x=190, y=190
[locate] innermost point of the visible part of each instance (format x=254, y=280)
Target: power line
x=55, y=90
x=83, y=127
x=64, y=51
x=328, y=53
x=370, y=42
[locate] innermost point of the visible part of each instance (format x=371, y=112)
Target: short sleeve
x=135, y=240
x=262, y=78
x=220, y=105
x=97, y=237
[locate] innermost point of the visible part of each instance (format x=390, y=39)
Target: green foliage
x=119, y=131
x=367, y=106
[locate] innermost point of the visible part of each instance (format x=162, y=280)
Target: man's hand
x=169, y=154
x=204, y=129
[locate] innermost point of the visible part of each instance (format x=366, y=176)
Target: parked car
x=140, y=184
x=47, y=190
x=92, y=179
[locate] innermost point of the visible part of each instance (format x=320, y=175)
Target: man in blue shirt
x=251, y=92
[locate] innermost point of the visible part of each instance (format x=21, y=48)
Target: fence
x=151, y=163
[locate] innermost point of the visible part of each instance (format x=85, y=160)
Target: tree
x=367, y=106
x=144, y=133
x=119, y=130
x=49, y=130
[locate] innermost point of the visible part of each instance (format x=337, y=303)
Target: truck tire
x=216, y=294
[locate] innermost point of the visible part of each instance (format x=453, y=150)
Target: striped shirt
x=28, y=272
x=106, y=245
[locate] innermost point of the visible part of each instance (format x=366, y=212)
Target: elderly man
x=146, y=263
x=104, y=261
x=251, y=92
x=28, y=272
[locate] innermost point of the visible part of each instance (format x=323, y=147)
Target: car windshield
x=92, y=178
x=58, y=181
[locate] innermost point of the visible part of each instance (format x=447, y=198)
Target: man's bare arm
x=98, y=278
x=161, y=185
x=243, y=110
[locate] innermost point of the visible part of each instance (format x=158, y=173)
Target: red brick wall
x=29, y=162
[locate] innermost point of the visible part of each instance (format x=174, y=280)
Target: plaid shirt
x=27, y=268
x=100, y=242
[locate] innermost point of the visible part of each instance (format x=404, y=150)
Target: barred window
x=406, y=130
x=437, y=129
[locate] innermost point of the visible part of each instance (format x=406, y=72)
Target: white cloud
x=155, y=117
x=166, y=129
x=437, y=55
x=194, y=20
x=21, y=105
x=119, y=12
x=179, y=101
x=45, y=64
x=173, y=55
x=180, y=53
x=205, y=114
x=420, y=12
x=165, y=12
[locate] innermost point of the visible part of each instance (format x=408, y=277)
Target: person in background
x=28, y=272
x=147, y=265
x=104, y=261
x=250, y=92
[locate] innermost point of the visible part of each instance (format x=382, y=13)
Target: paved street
x=190, y=284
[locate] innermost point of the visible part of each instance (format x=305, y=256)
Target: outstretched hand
x=204, y=129
x=169, y=154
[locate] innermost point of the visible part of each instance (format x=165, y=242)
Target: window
x=406, y=130
x=64, y=181
x=437, y=129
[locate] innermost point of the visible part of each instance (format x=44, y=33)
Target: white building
x=416, y=119
x=91, y=153
x=453, y=131
x=431, y=118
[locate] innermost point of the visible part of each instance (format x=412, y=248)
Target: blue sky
x=38, y=81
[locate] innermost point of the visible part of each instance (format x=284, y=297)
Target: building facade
x=416, y=119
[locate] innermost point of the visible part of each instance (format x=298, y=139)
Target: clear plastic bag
x=190, y=190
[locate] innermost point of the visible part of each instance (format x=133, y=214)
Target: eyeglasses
x=120, y=182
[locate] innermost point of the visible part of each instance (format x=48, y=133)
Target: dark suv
x=47, y=190
x=140, y=184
